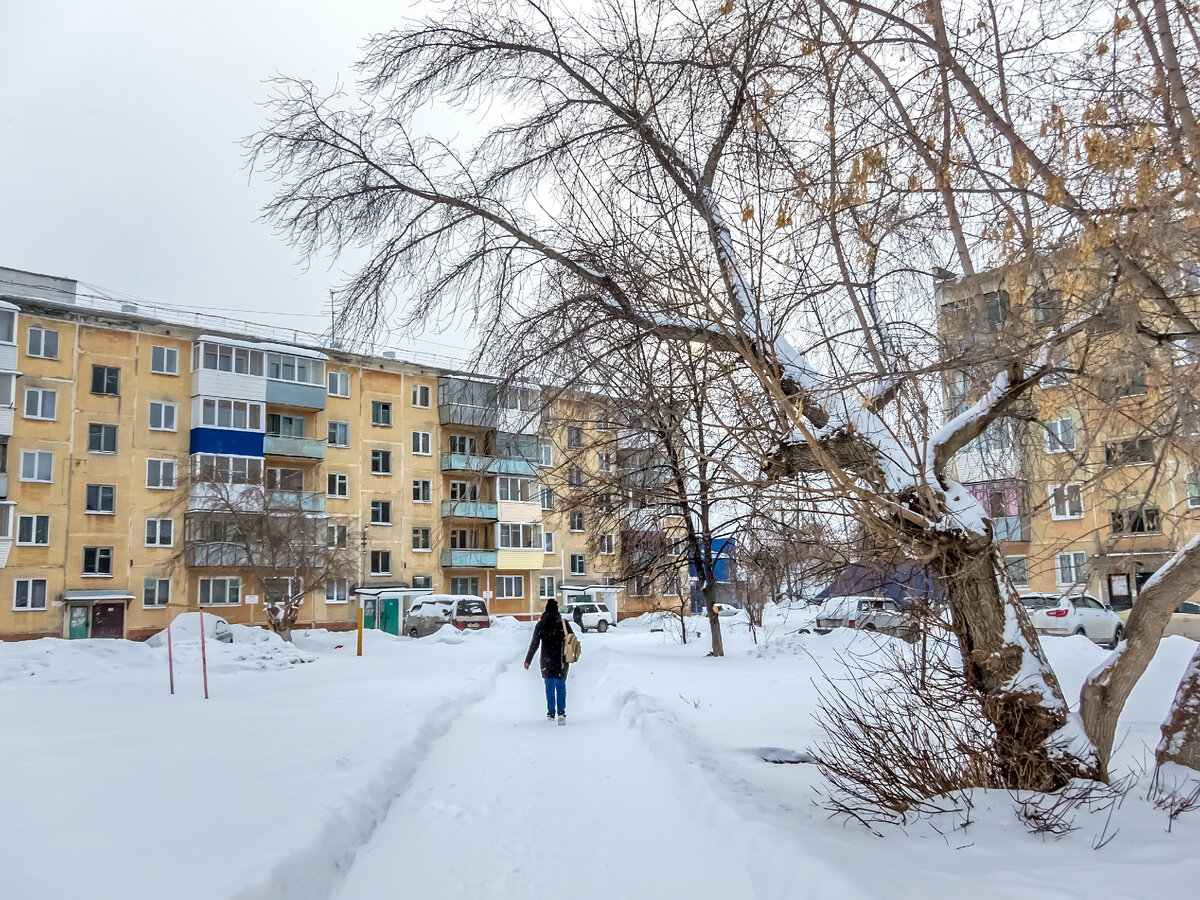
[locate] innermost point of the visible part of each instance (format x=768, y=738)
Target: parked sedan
x=887, y=617
x=1053, y=614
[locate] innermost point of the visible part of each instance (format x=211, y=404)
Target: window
x=1018, y=569
x=995, y=307
x=422, y=581
x=156, y=592
x=285, y=426
x=574, y=436
x=102, y=438
x=160, y=474
x=33, y=531
x=1128, y=384
x=517, y=536
x=280, y=479
x=575, y=476
x=1066, y=501
x=241, y=415
x=420, y=443
x=1146, y=520
x=381, y=512
x=420, y=538
x=464, y=584
x=422, y=491
x=547, y=496
x=220, y=591
x=160, y=532
x=1047, y=308
x=547, y=589
x=40, y=403
x=462, y=443
x=510, y=586
x=336, y=536
x=97, y=561
x=381, y=462
x=218, y=469
x=381, y=414
x=1134, y=451
x=106, y=380
x=381, y=562
x=608, y=544
x=1072, y=567
x=339, y=434
x=43, y=342
x=548, y=541
x=239, y=360
x=577, y=521
x=577, y=564
x=604, y=461
x=512, y=490
x=420, y=395
x=8, y=326
x=1193, y=489
x=163, y=416
x=337, y=590
x=339, y=384
x=546, y=454
x=463, y=539
x=603, y=423
x=101, y=498
x=337, y=484
x=37, y=465
x=1060, y=435
x=672, y=584
x=30, y=593
x=464, y=490
x=284, y=367
x=164, y=360
x=641, y=586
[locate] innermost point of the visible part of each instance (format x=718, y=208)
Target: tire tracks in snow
x=313, y=870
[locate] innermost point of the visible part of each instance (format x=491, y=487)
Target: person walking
x=550, y=632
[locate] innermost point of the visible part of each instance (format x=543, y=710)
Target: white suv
x=591, y=615
x=1054, y=614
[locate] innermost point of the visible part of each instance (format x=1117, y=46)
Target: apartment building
x=124, y=432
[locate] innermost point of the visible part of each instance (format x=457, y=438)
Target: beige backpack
x=571, y=646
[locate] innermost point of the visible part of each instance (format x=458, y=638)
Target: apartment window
x=995, y=307
x=160, y=532
x=381, y=512
x=160, y=474
x=106, y=380
x=220, y=591
x=241, y=415
x=516, y=536
x=420, y=395
x=40, y=403
x=641, y=586
x=102, y=438
x=510, y=587
x=1066, y=501
x=1134, y=451
x=1060, y=436
x=462, y=443
x=578, y=564
x=8, y=326
x=285, y=426
x=239, y=360
x=574, y=436
x=337, y=484
x=420, y=539
x=156, y=592
x=547, y=497
x=608, y=544
x=164, y=360
x=464, y=490
x=575, y=476
x=1072, y=567
x=1047, y=306
x=422, y=581
x=163, y=416
x=672, y=584
x=37, y=465
x=547, y=588
x=422, y=490
x=30, y=593
x=548, y=541
x=381, y=414
x=1018, y=570
x=280, y=479
x=463, y=539
x=336, y=536
x=97, y=561
x=546, y=454
x=1147, y=520
x=1130, y=384
x=339, y=434
x=603, y=423
x=420, y=443
x=43, y=342
x=464, y=584
x=381, y=462
x=513, y=490
x=576, y=521
x=337, y=590
x=101, y=498
x=218, y=469
x=301, y=369
x=604, y=461
x=381, y=562
x=33, y=531
x=1193, y=489
x=339, y=384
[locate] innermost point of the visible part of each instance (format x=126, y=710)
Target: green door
x=391, y=615
x=369, y=612
x=78, y=622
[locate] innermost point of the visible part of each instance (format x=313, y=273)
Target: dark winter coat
x=549, y=633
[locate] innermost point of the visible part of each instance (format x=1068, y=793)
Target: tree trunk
x=1106, y=690
x=714, y=620
x=1181, y=731
x=1003, y=660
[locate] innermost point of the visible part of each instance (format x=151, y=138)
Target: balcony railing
x=468, y=559
x=306, y=448
x=1011, y=528
x=306, y=501
x=469, y=509
x=215, y=554
x=491, y=465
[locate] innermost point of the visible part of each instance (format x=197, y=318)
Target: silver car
x=463, y=611
x=887, y=617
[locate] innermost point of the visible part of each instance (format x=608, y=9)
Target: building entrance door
x=78, y=623
x=369, y=605
x=390, y=617
x=108, y=620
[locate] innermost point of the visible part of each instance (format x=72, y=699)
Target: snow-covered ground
x=426, y=768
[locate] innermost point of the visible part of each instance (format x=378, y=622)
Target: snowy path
x=509, y=805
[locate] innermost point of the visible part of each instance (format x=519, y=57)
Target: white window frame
x=504, y=585
x=384, y=457
x=382, y=555
x=342, y=480
x=547, y=587
x=106, y=428
x=546, y=496
x=170, y=358
x=163, y=407
x=29, y=594
x=1078, y=566
x=422, y=443
x=38, y=456
x=1054, y=441
x=228, y=581
x=100, y=512
x=464, y=491
x=1066, y=489
x=548, y=541
x=381, y=413
x=157, y=525
x=381, y=506
x=338, y=383
x=33, y=530
x=608, y=544
x=42, y=394
x=581, y=558
x=337, y=591
x=161, y=597
x=162, y=468
x=604, y=461
x=1007, y=563
x=422, y=539
x=545, y=454
x=421, y=392
x=337, y=536
x=338, y=428
x=422, y=490
x=41, y=351
x=571, y=522
x=253, y=413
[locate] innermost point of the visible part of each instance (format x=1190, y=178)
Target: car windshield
x=471, y=608
x=1039, y=601
x=1193, y=608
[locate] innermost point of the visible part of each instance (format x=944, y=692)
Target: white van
x=465, y=611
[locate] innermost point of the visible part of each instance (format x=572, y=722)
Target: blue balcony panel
x=226, y=441
x=469, y=509
x=291, y=393
x=468, y=559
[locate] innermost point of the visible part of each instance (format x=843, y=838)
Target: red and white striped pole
x=170, y=657
x=203, y=656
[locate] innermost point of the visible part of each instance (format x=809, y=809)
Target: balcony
x=524, y=558
x=1011, y=528
x=305, y=501
x=234, y=385
x=3, y=485
x=468, y=509
x=305, y=448
x=517, y=511
x=7, y=414
x=480, y=403
x=215, y=555
x=491, y=465
x=296, y=393
x=468, y=559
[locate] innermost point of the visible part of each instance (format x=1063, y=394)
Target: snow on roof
x=265, y=346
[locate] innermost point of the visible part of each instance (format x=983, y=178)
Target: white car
x=1053, y=614
x=591, y=615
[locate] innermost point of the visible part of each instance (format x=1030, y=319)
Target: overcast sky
x=121, y=163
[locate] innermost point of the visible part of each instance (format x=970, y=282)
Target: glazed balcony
x=301, y=448
x=489, y=465
x=468, y=559
x=469, y=509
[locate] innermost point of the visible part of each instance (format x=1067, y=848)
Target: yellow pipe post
x=360, y=627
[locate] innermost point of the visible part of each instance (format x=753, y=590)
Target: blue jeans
x=556, y=694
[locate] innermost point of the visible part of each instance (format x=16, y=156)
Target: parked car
x=464, y=611
x=837, y=612
x=592, y=615
x=1054, y=614
x=887, y=617
x=1185, y=621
